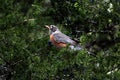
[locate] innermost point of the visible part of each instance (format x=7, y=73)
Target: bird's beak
x=47, y=26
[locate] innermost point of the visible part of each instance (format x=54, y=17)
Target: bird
x=60, y=40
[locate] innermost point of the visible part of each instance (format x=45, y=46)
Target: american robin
x=59, y=39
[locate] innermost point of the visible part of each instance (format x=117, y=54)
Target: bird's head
x=52, y=28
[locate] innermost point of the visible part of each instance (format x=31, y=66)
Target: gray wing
x=60, y=37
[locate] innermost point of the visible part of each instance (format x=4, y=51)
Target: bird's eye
x=51, y=26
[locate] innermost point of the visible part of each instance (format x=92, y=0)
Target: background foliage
x=26, y=55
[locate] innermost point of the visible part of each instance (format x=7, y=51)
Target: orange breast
x=57, y=44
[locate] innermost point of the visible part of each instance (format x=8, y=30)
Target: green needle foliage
x=25, y=53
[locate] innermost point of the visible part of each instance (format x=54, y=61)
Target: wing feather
x=60, y=37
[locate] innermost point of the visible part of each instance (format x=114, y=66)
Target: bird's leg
x=50, y=43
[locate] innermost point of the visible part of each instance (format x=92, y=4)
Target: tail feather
x=77, y=47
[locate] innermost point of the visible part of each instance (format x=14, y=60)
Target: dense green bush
x=26, y=55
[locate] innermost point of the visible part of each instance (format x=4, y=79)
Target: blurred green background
x=26, y=55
